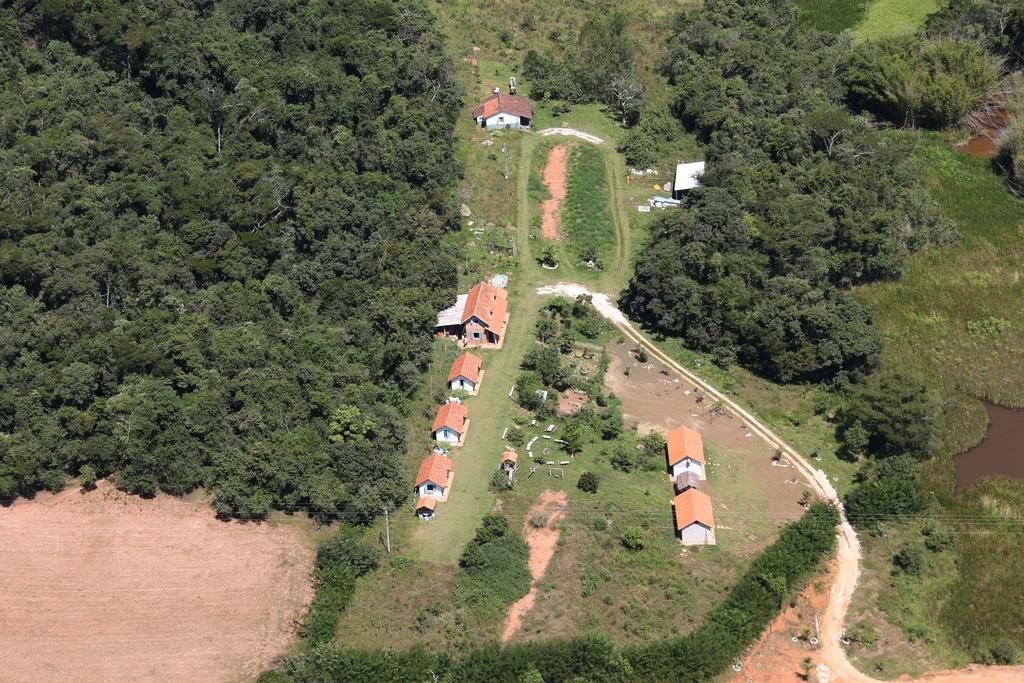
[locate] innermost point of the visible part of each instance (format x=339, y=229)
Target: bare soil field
x=655, y=400
x=553, y=176
x=542, y=544
x=105, y=586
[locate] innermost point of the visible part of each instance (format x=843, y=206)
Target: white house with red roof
x=466, y=373
x=451, y=424
x=684, y=450
x=502, y=110
x=695, y=521
x=434, y=477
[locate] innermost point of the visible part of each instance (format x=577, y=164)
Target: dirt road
x=553, y=176
x=542, y=544
x=832, y=663
x=109, y=587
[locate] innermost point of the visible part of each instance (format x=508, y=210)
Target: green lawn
x=586, y=216
x=831, y=15
x=886, y=18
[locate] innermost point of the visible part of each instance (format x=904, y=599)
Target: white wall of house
x=446, y=435
x=463, y=384
x=695, y=533
x=432, y=489
x=503, y=120
x=688, y=465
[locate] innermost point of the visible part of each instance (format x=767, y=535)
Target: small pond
x=1002, y=451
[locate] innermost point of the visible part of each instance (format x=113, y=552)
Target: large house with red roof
x=684, y=449
x=502, y=110
x=695, y=522
x=478, y=318
x=451, y=424
x=466, y=373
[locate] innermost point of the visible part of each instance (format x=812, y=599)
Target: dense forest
x=803, y=198
x=212, y=238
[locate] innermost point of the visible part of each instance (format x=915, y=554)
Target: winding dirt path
x=542, y=544
x=553, y=177
x=832, y=664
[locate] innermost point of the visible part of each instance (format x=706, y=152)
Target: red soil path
x=109, y=587
x=553, y=176
x=542, y=544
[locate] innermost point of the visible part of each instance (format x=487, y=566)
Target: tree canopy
x=211, y=245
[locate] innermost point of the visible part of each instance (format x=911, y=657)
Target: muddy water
x=986, y=130
x=1002, y=451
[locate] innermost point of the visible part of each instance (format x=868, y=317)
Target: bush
x=871, y=503
x=588, y=482
x=938, y=539
x=1004, y=652
x=910, y=558
x=515, y=437
x=600, y=524
x=539, y=520
x=633, y=539
x=499, y=482
x=339, y=561
x=87, y=476
x=494, y=568
x=622, y=459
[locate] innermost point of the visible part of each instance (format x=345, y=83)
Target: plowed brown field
x=109, y=587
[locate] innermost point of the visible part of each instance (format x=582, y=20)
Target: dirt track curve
x=833, y=665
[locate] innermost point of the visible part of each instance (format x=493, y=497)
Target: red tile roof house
x=695, y=523
x=501, y=110
x=451, y=424
x=685, y=452
x=466, y=373
x=434, y=478
x=478, y=318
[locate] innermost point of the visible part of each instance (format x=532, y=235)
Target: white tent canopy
x=688, y=176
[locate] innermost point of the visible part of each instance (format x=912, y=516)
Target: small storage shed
x=425, y=507
x=695, y=523
x=508, y=461
x=434, y=477
x=684, y=450
x=687, y=480
x=451, y=423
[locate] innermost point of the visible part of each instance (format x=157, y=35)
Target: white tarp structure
x=687, y=177
x=453, y=316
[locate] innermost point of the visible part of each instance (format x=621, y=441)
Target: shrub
x=494, y=570
x=633, y=539
x=515, y=437
x=871, y=503
x=622, y=459
x=539, y=520
x=499, y=482
x=588, y=482
x=600, y=524
x=910, y=558
x=937, y=539
x=87, y=475
x=1004, y=652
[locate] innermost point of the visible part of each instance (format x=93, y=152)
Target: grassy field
x=954, y=319
x=831, y=15
x=886, y=18
x=587, y=216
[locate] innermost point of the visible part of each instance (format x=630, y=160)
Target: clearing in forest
x=107, y=586
x=542, y=543
x=553, y=176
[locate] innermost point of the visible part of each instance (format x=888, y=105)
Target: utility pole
x=387, y=529
x=504, y=150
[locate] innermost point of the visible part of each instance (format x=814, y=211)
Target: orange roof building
x=695, y=521
x=466, y=372
x=450, y=423
x=478, y=318
x=684, y=449
x=434, y=468
x=501, y=110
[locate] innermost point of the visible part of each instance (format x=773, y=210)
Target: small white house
x=466, y=373
x=501, y=110
x=687, y=177
x=451, y=423
x=684, y=450
x=695, y=523
x=434, y=477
